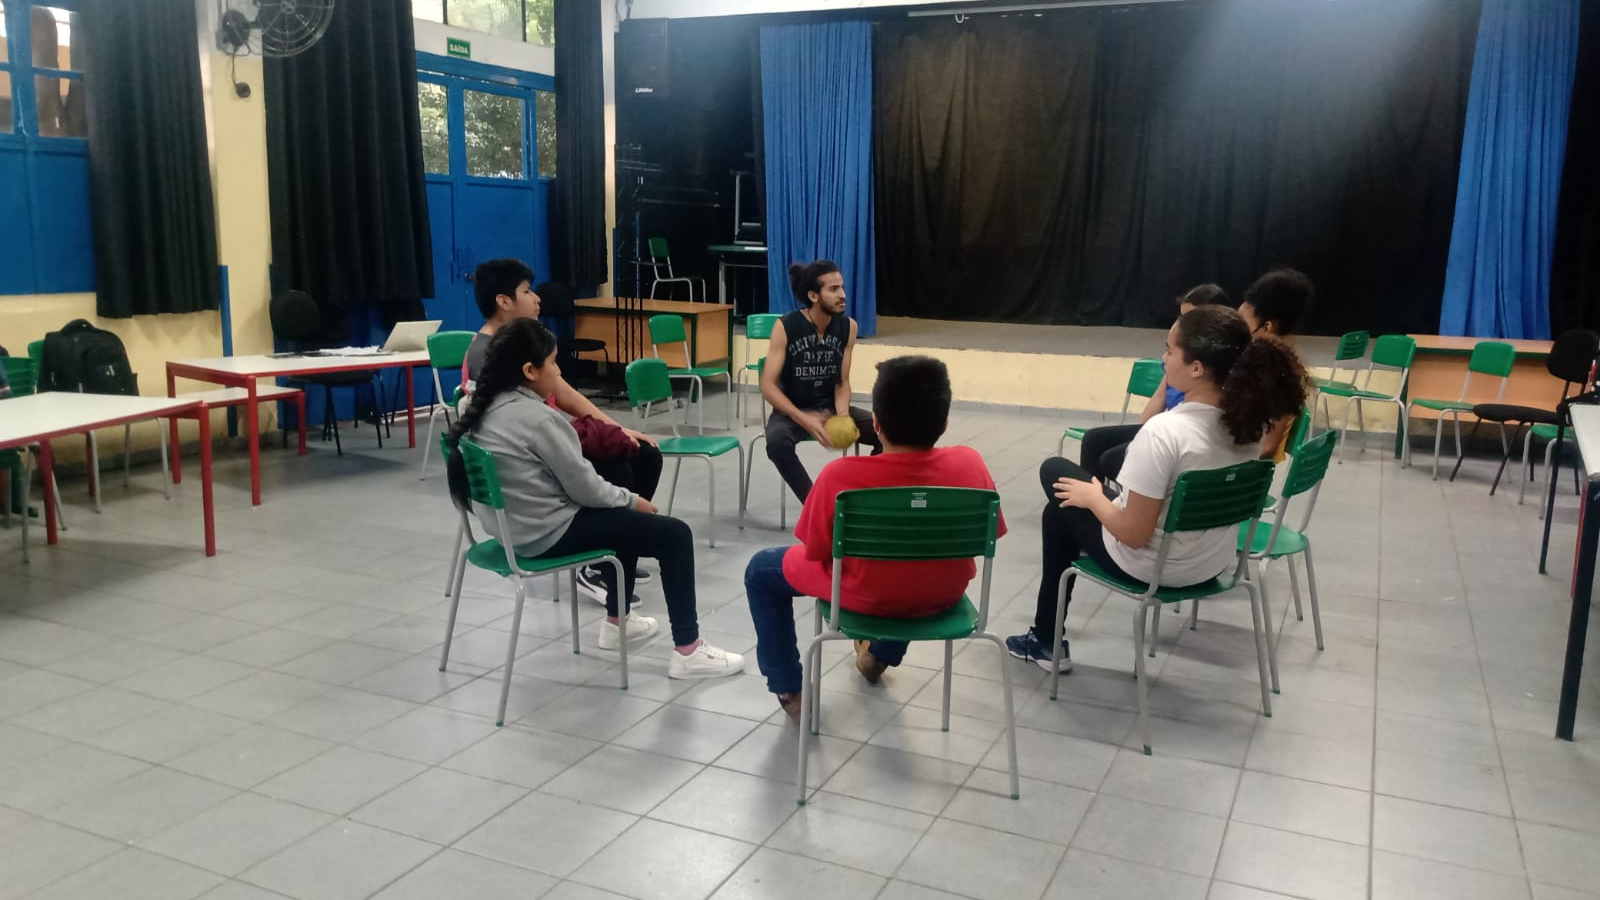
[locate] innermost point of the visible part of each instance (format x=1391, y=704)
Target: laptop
x=409, y=336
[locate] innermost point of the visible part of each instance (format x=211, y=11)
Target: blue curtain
x=1497, y=282
x=816, y=95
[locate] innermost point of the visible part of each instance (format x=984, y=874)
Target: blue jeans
x=772, y=609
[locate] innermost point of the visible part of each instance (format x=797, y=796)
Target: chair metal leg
x=572, y=601
x=1311, y=588
x=1011, y=718
x=622, y=620
x=711, y=499
x=511, y=652
x=1438, y=438
x=743, y=486
x=807, y=663
x=1267, y=619
x=1471, y=436
x=166, y=473
x=1294, y=587
x=1526, y=466
x=672, y=492
x=1142, y=688
x=456, y=560
x=949, y=654
x=427, y=445
x=1505, y=454
x=1155, y=629
x=459, y=573
x=1261, y=648
x=1062, y=586
x=1361, y=423
x=1194, y=615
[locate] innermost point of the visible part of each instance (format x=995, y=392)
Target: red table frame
x=252, y=416
x=196, y=410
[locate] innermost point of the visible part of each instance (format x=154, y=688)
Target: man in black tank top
x=807, y=372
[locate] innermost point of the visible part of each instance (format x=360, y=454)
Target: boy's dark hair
x=1281, y=296
x=803, y=279
x=496, y=277
x=1205, y=295
x=912, y=400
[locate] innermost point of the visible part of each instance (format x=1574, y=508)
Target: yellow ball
x=842, y=431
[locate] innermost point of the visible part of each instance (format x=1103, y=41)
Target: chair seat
x=699, y=371
x=1289, y=541
x=1441, y=405
x=1509, y=412
x=755, y=366
x=587, y=345
x=488, y=554
x=956, y=622
x=1075, y=433
x=1324, y=384
x=1092, y=570
x=1352, y=392
x=709, y=445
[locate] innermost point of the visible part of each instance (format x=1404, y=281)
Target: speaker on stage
x=642, y=69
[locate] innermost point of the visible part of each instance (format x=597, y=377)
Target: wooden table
x=1441, y=365
x=245, y=371
x=709, y=327
x=39, y=418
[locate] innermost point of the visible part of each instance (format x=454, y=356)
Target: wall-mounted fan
x=283, y=27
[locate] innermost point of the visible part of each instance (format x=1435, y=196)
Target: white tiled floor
x=271, y=723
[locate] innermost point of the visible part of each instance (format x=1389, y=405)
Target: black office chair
x=560, y=313
x=1571, y=354
x=297, y=321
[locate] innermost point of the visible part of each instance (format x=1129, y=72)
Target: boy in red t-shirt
x=910, y=408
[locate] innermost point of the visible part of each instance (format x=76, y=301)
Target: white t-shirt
x=1186, y=438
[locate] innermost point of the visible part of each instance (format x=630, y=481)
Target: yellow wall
x=239, y=184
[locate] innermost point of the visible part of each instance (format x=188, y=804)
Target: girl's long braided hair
x=518, y=342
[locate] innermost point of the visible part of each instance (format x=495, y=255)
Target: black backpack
x=83, y=358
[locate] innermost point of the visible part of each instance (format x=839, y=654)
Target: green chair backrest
x=1310, y=464
x=1492, y=358
x=1352, y=345
x=1145, y=377
x=647, y=381
x=1217, y=498
x=448, y=349
x=36, y=352
x=483, y=479
x=667, y=330
x=915, y=523
x=1394, y=350
x=758, y=327
x=658, y=248
x=1297, y=435
x=21, y=374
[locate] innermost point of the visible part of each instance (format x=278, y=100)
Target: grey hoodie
x=543, y=474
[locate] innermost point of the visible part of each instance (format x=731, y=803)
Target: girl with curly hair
x=1235, y=389
x=556, y=504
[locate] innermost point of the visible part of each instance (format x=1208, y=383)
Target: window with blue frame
x=46, y=239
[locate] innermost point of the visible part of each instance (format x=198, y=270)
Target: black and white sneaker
x=590, y=585
x=1028, y=646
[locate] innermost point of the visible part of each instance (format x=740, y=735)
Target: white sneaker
x=640, y=629
x=705, y=662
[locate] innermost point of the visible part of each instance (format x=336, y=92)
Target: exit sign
x=458, y=47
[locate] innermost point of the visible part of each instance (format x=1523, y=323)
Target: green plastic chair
x=1546, y=433
x=22, y=374
x=1201, y=500
x=648, y=383
x=1392, y=352
x=483, y=481
x=907, y=523
x=669, y=330
x=1491, y=358
x=1306, y=473
x=447, y=350
x=758, y=327
x=1352, y=346
x=1144, y=379
x=661, y=259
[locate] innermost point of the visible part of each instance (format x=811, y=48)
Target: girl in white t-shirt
x=1234, y=388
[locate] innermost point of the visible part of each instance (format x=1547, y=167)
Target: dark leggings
x=1102, y=449
x=640, y=474
x=631, y=534
x=1067, y=534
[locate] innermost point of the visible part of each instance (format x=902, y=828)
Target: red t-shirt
x=892, y=588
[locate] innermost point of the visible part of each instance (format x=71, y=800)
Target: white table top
x=262, y=365
x=24, y=420
x=1586, y=427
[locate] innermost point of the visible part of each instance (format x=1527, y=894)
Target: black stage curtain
x=1086, y=166
x=344, y=162
x=1575, y=272
x=578, y=235
x=155, y=239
